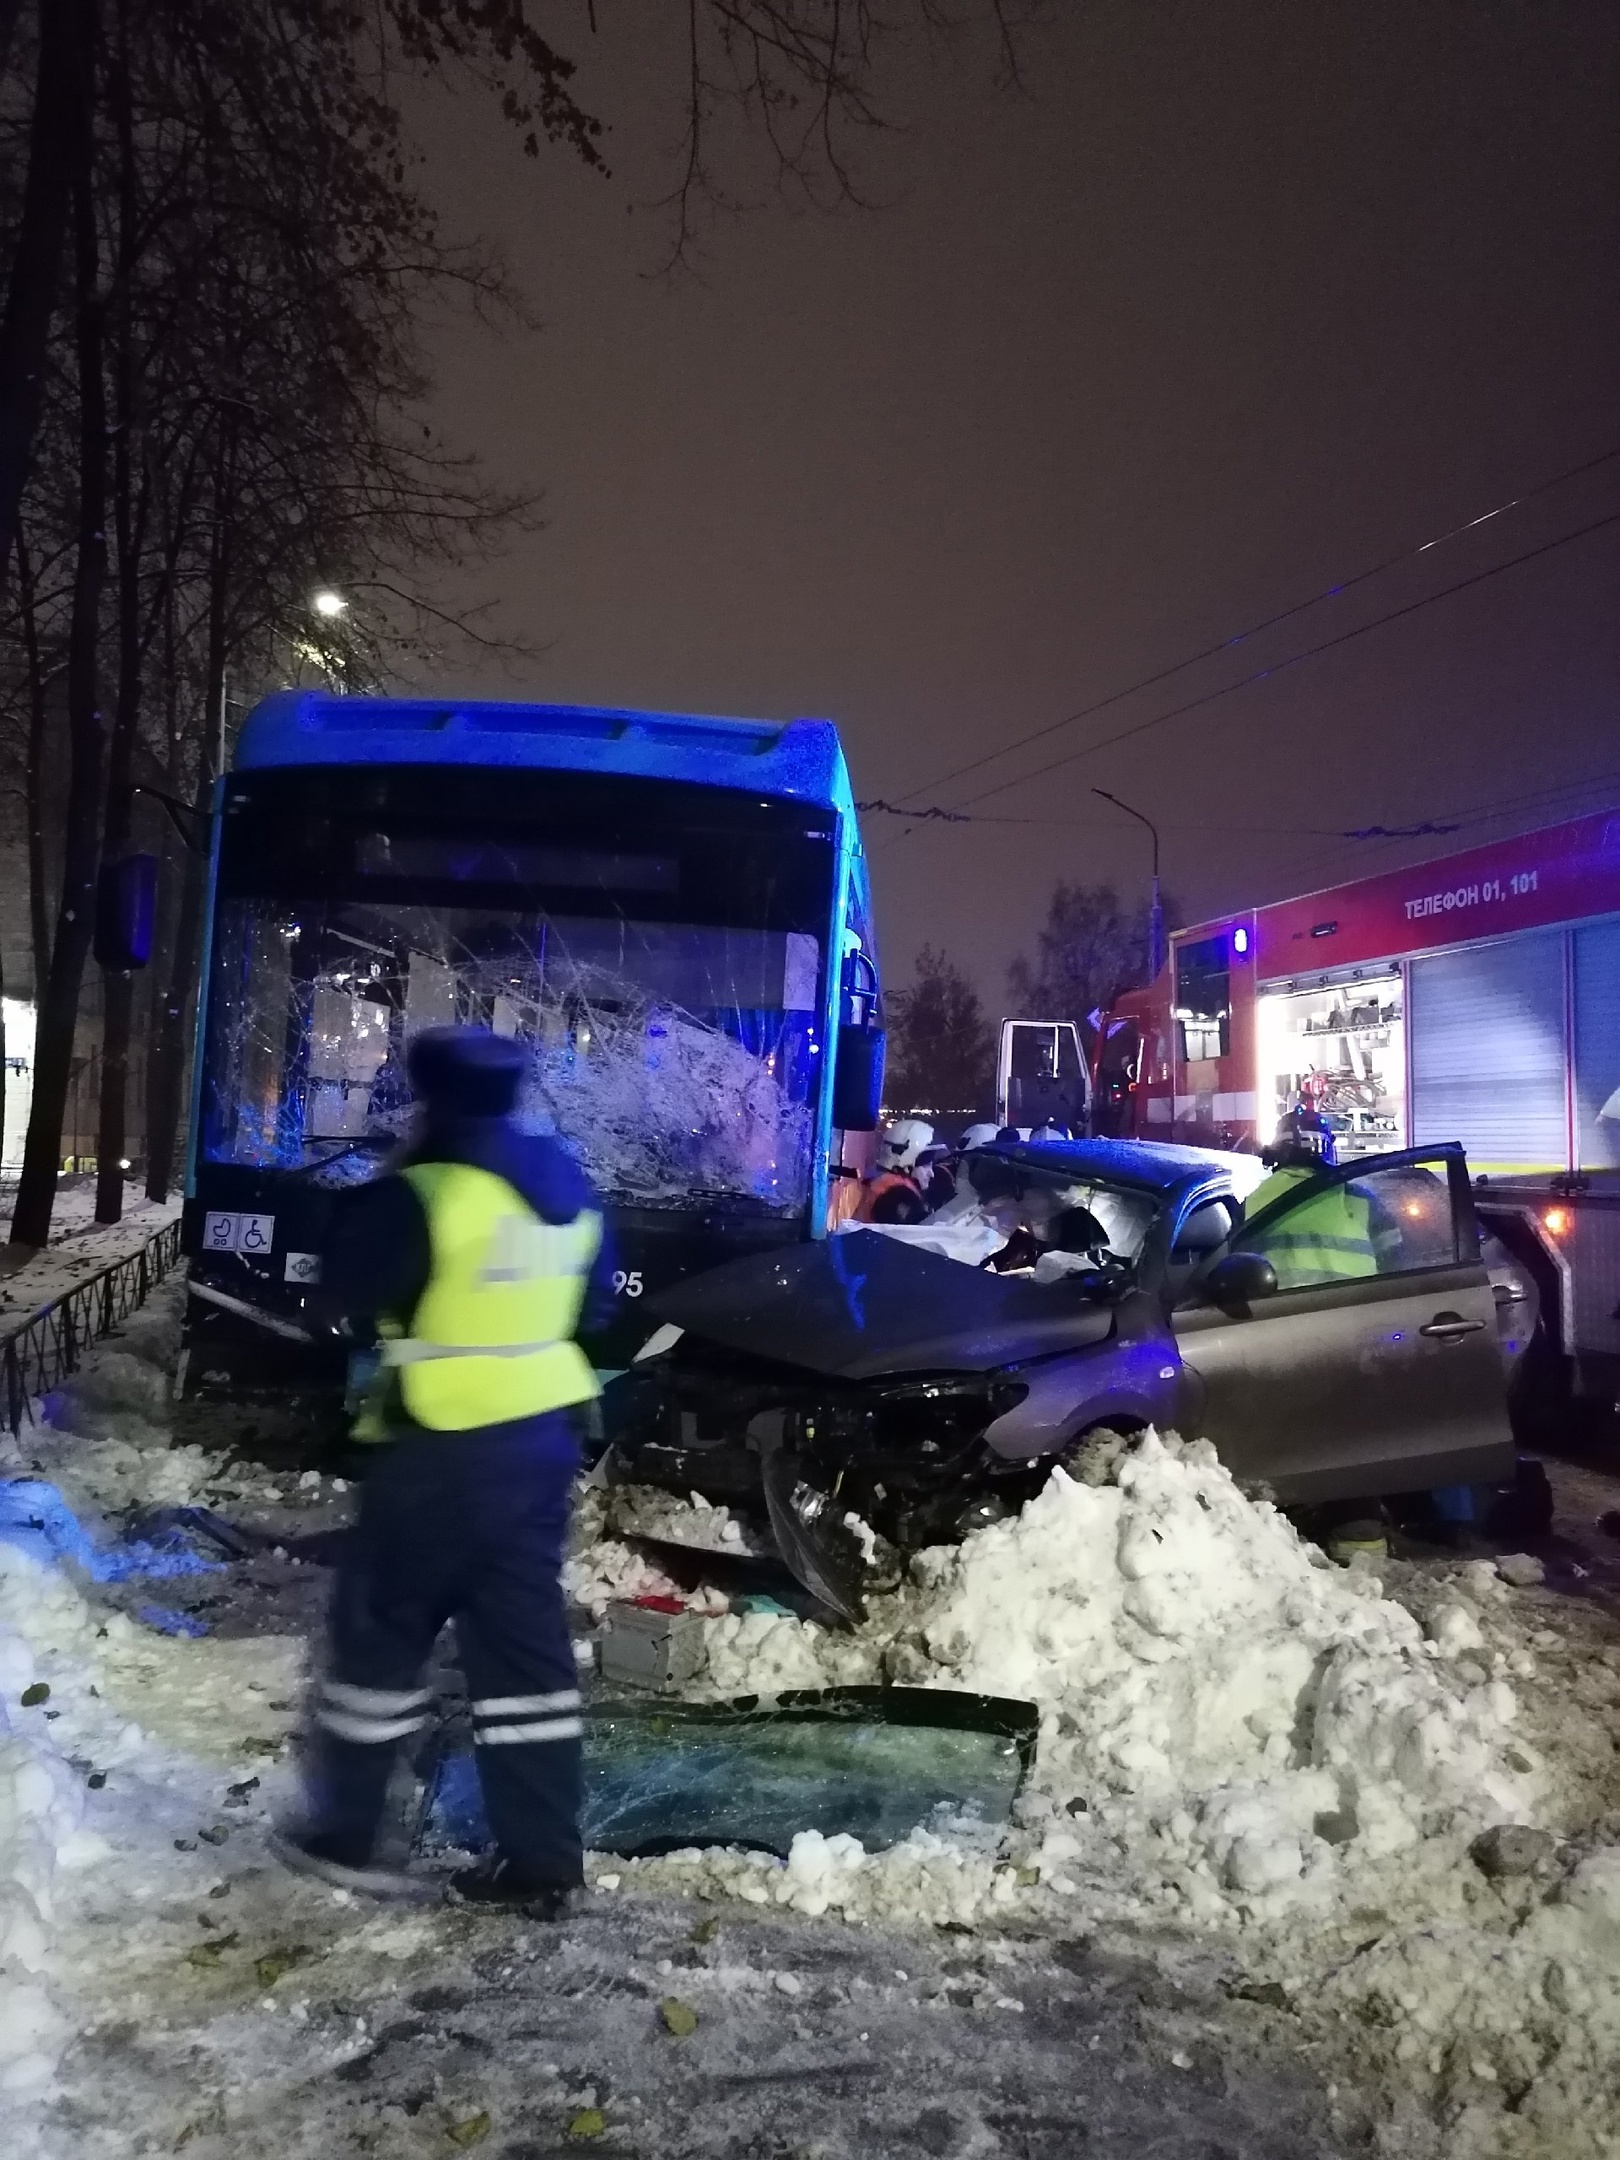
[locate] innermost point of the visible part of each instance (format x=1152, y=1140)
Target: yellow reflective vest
x=1328, y=1239
x=492, y=1337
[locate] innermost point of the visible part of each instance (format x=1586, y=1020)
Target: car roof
x=1152, y=1165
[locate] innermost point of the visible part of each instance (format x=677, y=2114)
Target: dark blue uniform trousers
x=469, y=1527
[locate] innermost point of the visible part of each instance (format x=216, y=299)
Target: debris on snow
x=1512, y=1849
x=1523, y=1570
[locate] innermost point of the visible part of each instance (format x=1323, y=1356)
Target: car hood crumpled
x=861, y=1306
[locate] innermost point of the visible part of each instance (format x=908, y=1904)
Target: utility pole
x=1156, y=911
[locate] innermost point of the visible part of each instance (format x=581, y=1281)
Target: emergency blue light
x=1240, y=939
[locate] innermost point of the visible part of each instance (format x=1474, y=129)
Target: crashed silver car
x=907, y=1383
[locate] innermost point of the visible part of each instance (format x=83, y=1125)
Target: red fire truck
x=1475, y=998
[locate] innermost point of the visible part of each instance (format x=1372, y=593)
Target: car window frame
x=1448, y=1152
x=1196, y=1202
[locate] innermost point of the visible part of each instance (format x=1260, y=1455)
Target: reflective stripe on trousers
x=371, y=1717
x=527, y=1720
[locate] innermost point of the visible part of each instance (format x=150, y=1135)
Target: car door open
x=1371, y=1366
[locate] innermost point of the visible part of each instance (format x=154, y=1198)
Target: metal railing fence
x=38, y=1353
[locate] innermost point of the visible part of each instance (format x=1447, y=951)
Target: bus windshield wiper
x=349, y=1147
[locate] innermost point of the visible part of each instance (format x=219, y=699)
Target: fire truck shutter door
x=1597, y=1046
x=1487, y=1050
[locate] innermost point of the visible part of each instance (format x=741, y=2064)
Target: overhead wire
x=1280, y=667
x=1270, y=622
x=1544, y=799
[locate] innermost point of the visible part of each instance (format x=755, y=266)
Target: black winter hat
x=465, y=1071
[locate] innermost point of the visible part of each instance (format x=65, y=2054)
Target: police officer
x=472, y=1262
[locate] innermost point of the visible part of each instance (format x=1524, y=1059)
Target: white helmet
x=978, y=1136
x=904, y=1139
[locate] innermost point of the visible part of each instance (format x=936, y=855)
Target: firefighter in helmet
x=894, y=1194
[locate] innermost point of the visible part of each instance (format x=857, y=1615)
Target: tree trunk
x=39, y=921
x=117, y=988
x=171, y=876
x=59, y=115
x=166, y=1068
x=118, y=1007
x=166, y=1059
x=81, y=854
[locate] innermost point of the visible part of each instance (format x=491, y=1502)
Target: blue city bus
x=672, y=914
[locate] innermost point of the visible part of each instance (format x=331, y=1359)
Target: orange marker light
x=1556, y=1220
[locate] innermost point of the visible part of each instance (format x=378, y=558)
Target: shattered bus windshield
x=658, y=949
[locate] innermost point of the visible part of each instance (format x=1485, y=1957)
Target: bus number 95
x=627, y=1284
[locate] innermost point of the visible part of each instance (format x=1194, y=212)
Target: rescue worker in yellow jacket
x=1331, y=1238
x=472, y=1263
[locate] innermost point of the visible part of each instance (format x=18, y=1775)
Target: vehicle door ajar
x=1366, y=1371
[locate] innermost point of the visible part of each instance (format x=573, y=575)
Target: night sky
x=1234, y=301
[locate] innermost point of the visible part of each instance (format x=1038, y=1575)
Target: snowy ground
x=79, y=1245
x=1241, y=1912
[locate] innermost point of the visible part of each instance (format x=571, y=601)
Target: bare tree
x=70, y=943
x=58, y=118
x=1091, y=946
x=802, y=79
x=942, y=1045
x=250, y=265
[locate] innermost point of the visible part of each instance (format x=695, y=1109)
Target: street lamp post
x=1156, y=912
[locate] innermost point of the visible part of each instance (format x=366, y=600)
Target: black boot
x=502, y=1886
x=333, y=1860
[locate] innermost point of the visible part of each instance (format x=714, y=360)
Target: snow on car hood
x=862, y=1305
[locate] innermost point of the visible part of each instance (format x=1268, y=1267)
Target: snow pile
x=602, y=1570
x=108, y=1704
x=1229, y=1728
x=40, y=1811
x=106, y=1430
x=1513, y=2025
x=642, y=1511
x=1236, y=1736
x=1192, y=1659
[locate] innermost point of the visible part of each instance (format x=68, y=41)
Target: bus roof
x=799, y=759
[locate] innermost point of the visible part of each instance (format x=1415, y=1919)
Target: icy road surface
x=1245, y=1911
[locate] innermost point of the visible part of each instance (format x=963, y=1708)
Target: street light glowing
x=331, y=605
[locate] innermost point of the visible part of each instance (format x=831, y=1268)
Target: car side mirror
x=858, y=1078
x=126, y=905
x=1239, y=1278
x=857, y=1088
